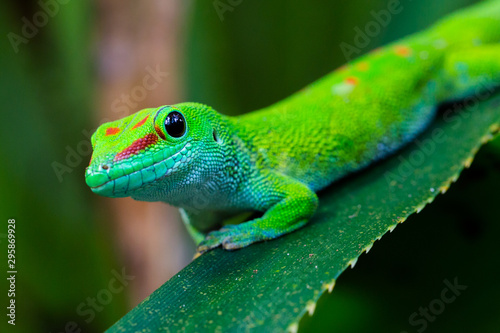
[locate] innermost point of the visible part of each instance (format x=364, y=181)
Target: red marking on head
x=136, y=147
x=139, y=124
x=112, y=130
x=402, y=50
x=159, y=132
x=352, y=80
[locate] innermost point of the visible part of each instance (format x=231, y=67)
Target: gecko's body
x=274, y=160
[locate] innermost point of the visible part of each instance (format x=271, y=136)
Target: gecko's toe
x=197, y=254
x=231, y=238
x=237, y=241
x=206, y=246
x=212, y=240
x=229, y=245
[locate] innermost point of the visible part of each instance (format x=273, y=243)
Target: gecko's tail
x=479, y=24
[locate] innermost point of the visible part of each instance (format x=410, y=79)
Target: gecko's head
x=132, y=156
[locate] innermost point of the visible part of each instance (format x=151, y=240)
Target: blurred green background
x=236, y=56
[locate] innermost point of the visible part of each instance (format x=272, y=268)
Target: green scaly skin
x=274, y=160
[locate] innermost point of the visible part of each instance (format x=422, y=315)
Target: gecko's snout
x=95, y=177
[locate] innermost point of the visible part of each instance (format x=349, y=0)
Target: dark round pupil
x=175, y=125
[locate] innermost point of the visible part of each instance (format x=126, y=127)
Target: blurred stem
x=139, y=51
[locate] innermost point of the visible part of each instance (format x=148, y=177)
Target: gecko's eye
x=175, y=124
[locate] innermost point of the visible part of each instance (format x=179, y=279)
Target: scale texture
x=273, y=160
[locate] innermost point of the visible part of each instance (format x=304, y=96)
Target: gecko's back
x=376, y=104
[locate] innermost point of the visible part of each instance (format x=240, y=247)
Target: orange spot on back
x=402, y=50
x=139, y=124
x=112, y=130
x=352, y=80
x=363, y=66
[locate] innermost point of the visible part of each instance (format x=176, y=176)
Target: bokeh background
x=83, y=261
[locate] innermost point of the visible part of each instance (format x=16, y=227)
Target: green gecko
x=274, y=160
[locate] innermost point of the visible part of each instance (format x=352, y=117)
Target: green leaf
x=273, y=284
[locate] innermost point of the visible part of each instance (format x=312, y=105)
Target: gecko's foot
x=231, y=237
x=197, y=254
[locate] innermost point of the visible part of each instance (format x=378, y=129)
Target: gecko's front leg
x=287, y=205
x=199, y=222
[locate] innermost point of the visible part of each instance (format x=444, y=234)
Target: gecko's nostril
x=105, y=167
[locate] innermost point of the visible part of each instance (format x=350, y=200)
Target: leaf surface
x=273, y=284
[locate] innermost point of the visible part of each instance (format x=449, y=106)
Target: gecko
x=274, y=160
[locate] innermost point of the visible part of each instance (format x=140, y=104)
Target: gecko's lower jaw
x=107, y=190
x=100, y=183
x=125, y=185
x=121, y=180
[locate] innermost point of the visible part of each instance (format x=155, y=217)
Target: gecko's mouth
x=118, y=180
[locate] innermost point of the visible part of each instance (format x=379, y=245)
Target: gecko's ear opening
x=216, y=136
